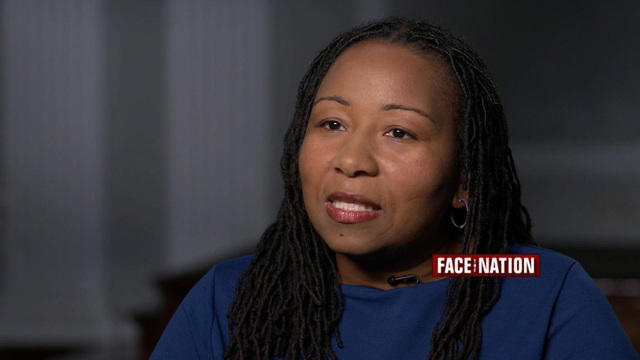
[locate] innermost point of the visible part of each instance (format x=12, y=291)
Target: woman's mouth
x=351, y=209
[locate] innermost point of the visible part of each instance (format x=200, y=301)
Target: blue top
x=560, y=315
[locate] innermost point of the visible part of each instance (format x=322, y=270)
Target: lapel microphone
x=395, y=280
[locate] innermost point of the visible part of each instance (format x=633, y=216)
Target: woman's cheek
x=317, y=152
x=419, y=176
x=310, y=163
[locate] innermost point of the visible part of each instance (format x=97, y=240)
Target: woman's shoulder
x=217, y=285
x=557, y=272
x=552, y=263
x=566, y=306
x=229, y=271
x=219, y=279
x=199, y=324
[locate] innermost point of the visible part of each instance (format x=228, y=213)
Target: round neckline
x=362, y=289
x=358, y=289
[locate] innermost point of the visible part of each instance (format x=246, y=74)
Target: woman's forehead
x=377, y=70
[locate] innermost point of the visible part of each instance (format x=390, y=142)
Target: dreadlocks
x=288, y=303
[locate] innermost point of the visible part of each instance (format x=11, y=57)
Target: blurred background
x=140, y=144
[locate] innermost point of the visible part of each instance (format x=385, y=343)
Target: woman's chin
x=350, y=246
x=358, y=249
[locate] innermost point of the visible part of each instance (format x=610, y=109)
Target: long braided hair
x=288, y=303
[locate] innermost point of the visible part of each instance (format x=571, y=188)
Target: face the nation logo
x=486, y=265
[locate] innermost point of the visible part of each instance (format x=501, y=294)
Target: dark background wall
x=568, y=79
x=141, y=139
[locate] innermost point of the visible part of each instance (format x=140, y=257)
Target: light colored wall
x=218, y=108
x=52, y=286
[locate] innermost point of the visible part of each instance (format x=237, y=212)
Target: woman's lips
x=351, y=209
x=350, y=217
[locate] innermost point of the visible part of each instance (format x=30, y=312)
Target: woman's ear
x=462, y=192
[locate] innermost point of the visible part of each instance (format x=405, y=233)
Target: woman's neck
x=375, y=270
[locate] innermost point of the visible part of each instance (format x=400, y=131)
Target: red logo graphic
x=486, y=265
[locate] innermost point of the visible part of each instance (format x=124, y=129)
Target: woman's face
x=377, y=163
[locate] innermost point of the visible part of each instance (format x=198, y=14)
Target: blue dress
x=560, y=315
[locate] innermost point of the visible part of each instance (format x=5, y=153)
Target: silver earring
x=466, y=206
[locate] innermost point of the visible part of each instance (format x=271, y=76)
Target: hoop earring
x=466, y=206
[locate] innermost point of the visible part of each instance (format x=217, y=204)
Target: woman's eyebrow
x=386, y=107
x=336, y=98
x=408, y=108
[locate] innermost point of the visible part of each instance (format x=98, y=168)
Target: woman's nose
x=355, y=157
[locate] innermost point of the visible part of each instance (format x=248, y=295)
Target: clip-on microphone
x=395, y=280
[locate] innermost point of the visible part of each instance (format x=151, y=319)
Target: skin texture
x=362, y=139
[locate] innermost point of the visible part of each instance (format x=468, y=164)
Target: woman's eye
x=399, y=134
x=332, y=125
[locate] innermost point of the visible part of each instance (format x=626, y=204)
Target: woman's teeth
x=351, y=206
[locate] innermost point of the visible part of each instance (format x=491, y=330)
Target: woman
x=398, y=150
